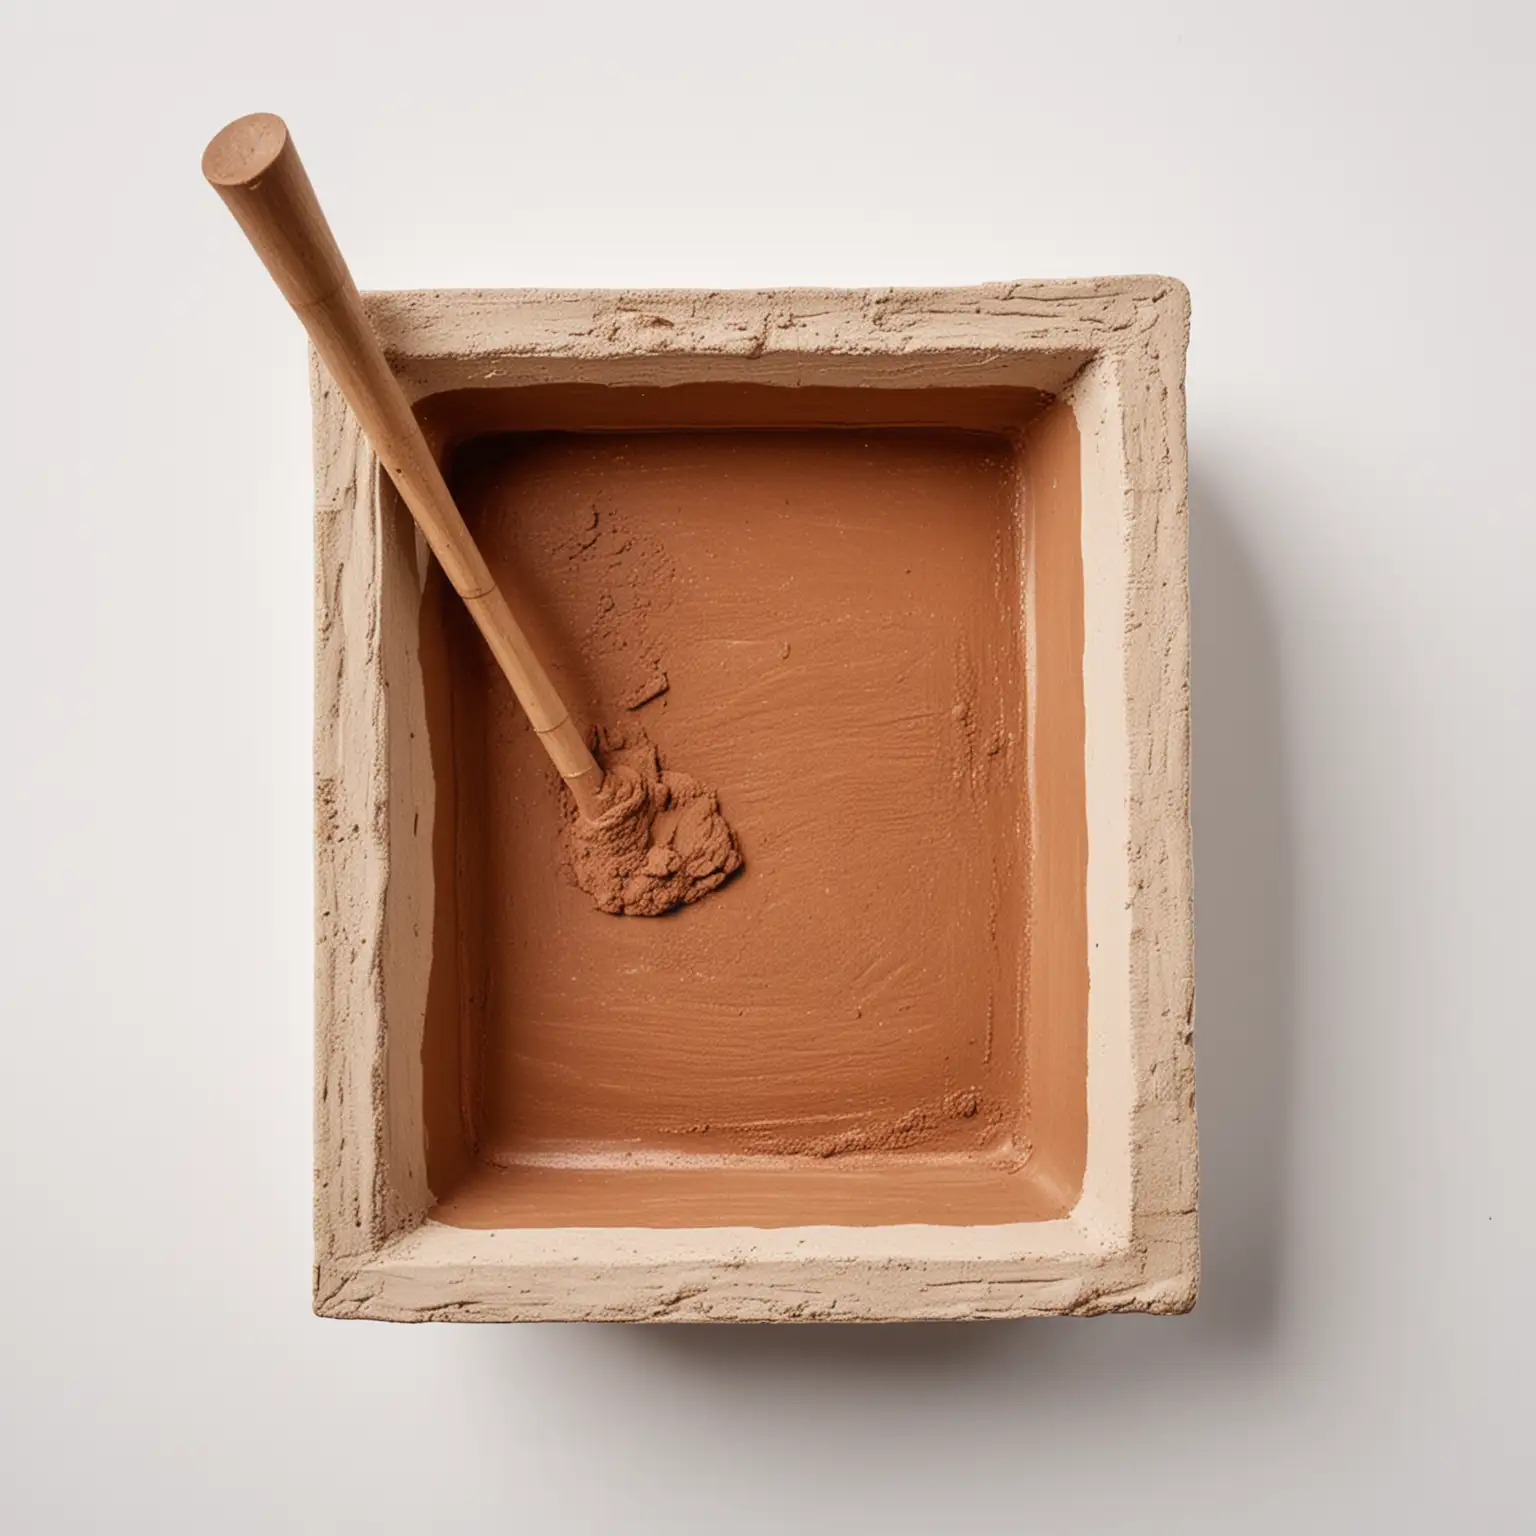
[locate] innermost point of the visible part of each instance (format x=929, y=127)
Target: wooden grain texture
x=1114, y=350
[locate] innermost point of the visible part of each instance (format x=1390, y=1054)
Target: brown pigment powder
x=870, y=638
x=826, y=626
x=658, y=840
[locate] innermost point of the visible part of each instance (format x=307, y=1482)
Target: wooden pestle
x=254, y=167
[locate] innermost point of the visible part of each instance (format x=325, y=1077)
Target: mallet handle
x=254, y=167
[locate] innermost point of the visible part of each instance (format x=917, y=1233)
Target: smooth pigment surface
x=826, y=625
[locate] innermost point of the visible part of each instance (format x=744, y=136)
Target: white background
x=1347, y=190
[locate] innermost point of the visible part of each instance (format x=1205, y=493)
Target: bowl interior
x=857, y=613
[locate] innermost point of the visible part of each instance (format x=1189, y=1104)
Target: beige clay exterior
x=1114, y=348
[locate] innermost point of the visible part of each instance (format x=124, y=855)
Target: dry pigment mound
x=658, y=840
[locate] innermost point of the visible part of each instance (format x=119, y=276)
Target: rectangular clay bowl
x=902, y=573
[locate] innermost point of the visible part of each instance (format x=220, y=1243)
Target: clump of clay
x=658, y=840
